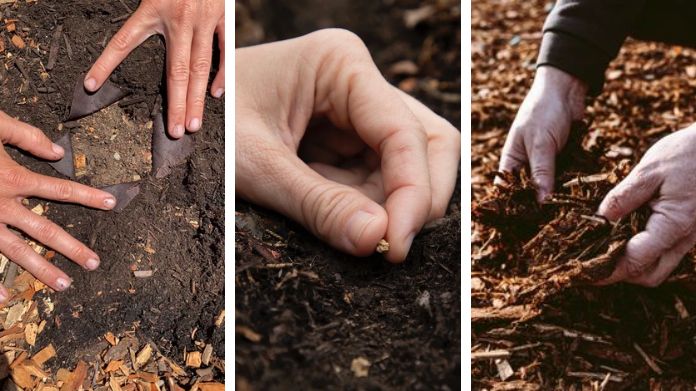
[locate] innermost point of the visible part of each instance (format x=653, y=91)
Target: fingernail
x=218, y=93
x=91, y=84
x=178, y=131
x=92, y=264
x=195, y=125
x=409, y=240
x=58, y=150
x=357, y=224
x=62, y=283
x=110, y=202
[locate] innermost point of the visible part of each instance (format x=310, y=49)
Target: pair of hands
x=189, y=28
x=323, y=138
x=665, y=177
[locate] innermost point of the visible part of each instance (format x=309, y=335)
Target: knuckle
x=77, y=252
x=64, y=191
x=42, y=272
x=634, y=268
x=18, y=250
x=201, y=66
x=179, y=71
x=121, y=40
x=319, y=208
x=45, y=231
x=16, y=177
x=341, y=41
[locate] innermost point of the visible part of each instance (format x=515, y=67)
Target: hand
x=379, y=166
x=188, y=28
x=541, y=127
x=665, y=177
x=16, y=183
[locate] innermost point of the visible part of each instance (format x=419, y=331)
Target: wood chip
x=18, y=42
x=220, y=319
x=193, y=359
x=30, y=332
x=143, y=355
x=143, y=273
x=360, y=367
x=114, y=365
x=211, y=386
x=44, y=355
x=113, y=384
x=207, y=354
x=110, y=338
x=248, y=333
x=76, y=378
x=22, y=377
x=652, y=364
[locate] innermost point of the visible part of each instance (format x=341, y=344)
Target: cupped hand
x=189, y=28
x=542, y=125
x=666, y=178
x=323, y=138
x=17, y=183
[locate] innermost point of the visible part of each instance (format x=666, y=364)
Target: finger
x=338, y=214
x=217, y=89
x=666, y=265
x=443, y=155
x=28, y=138
x=542, y=163
x=357, y=96
x=201, y=56
x=633, y=191
x=513, y=156
x=63, y=190
x=19, y=252
x=53, y=236
x=664, y=229
x=178, y=72
x=134, y=32
x=4, y=295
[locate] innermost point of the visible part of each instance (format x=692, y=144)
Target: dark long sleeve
x=581, y=37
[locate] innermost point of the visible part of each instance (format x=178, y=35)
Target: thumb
x=632, y=192
x=338, y=214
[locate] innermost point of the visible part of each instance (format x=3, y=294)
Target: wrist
x=563, y=86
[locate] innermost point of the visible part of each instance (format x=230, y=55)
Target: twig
x=652, y=364
x=597, y=376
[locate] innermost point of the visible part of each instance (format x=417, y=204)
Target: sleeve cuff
x=576, y=57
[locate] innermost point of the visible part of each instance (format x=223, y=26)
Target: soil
x=537, y=320
x=310, y=317
x=174, y=227
x=116, y=149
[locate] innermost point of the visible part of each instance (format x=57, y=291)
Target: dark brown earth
x=175, y=227
x=574, y=335
x=305, y=312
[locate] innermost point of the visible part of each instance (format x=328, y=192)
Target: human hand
x=188, y=28
x=380, y=165
x=17, y=183
x=665, y=177
x=542, y=125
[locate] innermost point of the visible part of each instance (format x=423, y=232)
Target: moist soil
x=538, y=320
x=310, y=317
x=174, y=227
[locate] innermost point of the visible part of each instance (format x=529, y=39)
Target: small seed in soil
x=382, y=247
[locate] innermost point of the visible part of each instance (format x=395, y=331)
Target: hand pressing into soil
x=665, y=177
x=542, y=125
x=189, y=28
x=324, y=139
x=17, y=183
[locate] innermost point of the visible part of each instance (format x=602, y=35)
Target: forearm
x=581, y=37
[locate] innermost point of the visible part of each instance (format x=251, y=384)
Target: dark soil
x=305, y=312
x=530, y=294
x=174, y=227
